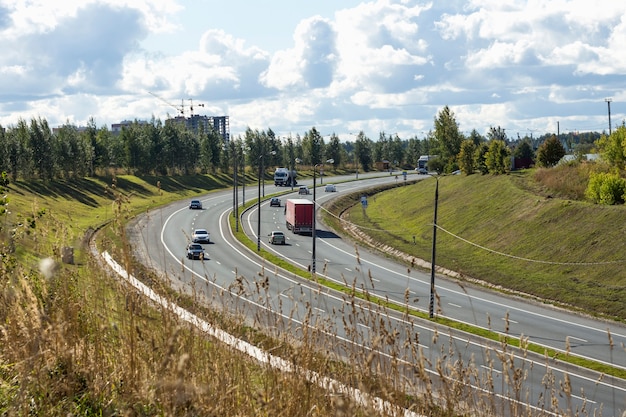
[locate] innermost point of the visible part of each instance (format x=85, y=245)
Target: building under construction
x=198, y=123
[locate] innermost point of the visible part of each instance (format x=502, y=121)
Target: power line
x=476, y=245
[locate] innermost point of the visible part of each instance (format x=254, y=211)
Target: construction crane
x=191, y=106
x=181, y=108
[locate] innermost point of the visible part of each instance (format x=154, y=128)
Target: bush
x=605, y=188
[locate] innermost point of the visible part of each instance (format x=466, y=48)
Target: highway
x=236, y=280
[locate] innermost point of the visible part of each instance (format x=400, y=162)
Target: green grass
x=102, y=350
x=564, y=251
x=350, y=203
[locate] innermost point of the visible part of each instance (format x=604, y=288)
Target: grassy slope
x=79, y=342
x=502, y=214
x=96, y=333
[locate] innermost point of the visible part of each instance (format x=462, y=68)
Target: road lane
x=232, y=276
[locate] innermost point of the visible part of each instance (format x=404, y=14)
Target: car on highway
x=330, y=188
x=195, y=205
x=277, y=238
x=303, y=190
x=195, y=251
x=200, y=236
x=422, y=171
x=275, y=202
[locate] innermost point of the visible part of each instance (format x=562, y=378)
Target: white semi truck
x=284, y=177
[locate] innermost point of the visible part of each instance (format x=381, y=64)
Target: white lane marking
x=454, y=305
x=491, y=369
x=578, y=338
x=474, y=297
x=425, y=328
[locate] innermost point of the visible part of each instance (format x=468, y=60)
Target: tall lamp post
x=235, y=188
x=330, y=161
x=243, y=178
x=431, y=307
x=261, y=171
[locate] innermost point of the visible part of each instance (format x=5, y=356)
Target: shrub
x=606, y=188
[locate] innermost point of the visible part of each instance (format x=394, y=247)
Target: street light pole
x=261, y=172
x=431, y=307
x=235, y=188
x=330, y=161
x=258, y=233
x=314, y=226
x=243, y=176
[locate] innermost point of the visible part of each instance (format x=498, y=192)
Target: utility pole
x=608, y=102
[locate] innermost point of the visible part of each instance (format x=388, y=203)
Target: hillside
x=78, y=342
x=513, y=232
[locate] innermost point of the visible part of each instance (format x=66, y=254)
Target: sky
x=529, y=67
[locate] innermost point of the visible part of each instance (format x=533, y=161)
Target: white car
x=200, y=236
x=330, y=188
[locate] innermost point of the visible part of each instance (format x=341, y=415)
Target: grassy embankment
x=522, y=232
x=77, y=341
x=80, y=342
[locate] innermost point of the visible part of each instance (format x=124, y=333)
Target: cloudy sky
x=529, y=67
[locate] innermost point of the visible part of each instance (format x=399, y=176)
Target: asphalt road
x=235, y=279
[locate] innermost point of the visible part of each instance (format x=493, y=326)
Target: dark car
x=275, y=202
x=195, y=251
x=195, y=205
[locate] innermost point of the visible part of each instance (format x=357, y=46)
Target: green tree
x=613, y=147
x=524, y=150
x=606, y=188
x=497, y=158
x=397, y=152
x=413, y=151
x=476, y=137
x=466, y=156
x=496, y=133
x=550, y=152
x=95, y=152
x=448, y=138
x=480, y=158
x=333, y=150
x=363, y=151
x=13, y=150
x=40, y=144
x=71, y=162
x=313, y=147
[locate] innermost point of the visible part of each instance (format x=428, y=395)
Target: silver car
x=277, y=238
x=200, y=236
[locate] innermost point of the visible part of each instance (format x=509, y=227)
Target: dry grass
x=77, y=341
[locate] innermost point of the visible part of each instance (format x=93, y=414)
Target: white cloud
x=381, y=64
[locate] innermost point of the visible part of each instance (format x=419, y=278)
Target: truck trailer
x=299, y=215
x=284, y=177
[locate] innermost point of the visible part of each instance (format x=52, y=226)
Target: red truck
x=299, y=215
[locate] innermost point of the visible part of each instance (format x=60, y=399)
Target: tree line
x=32, y=150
